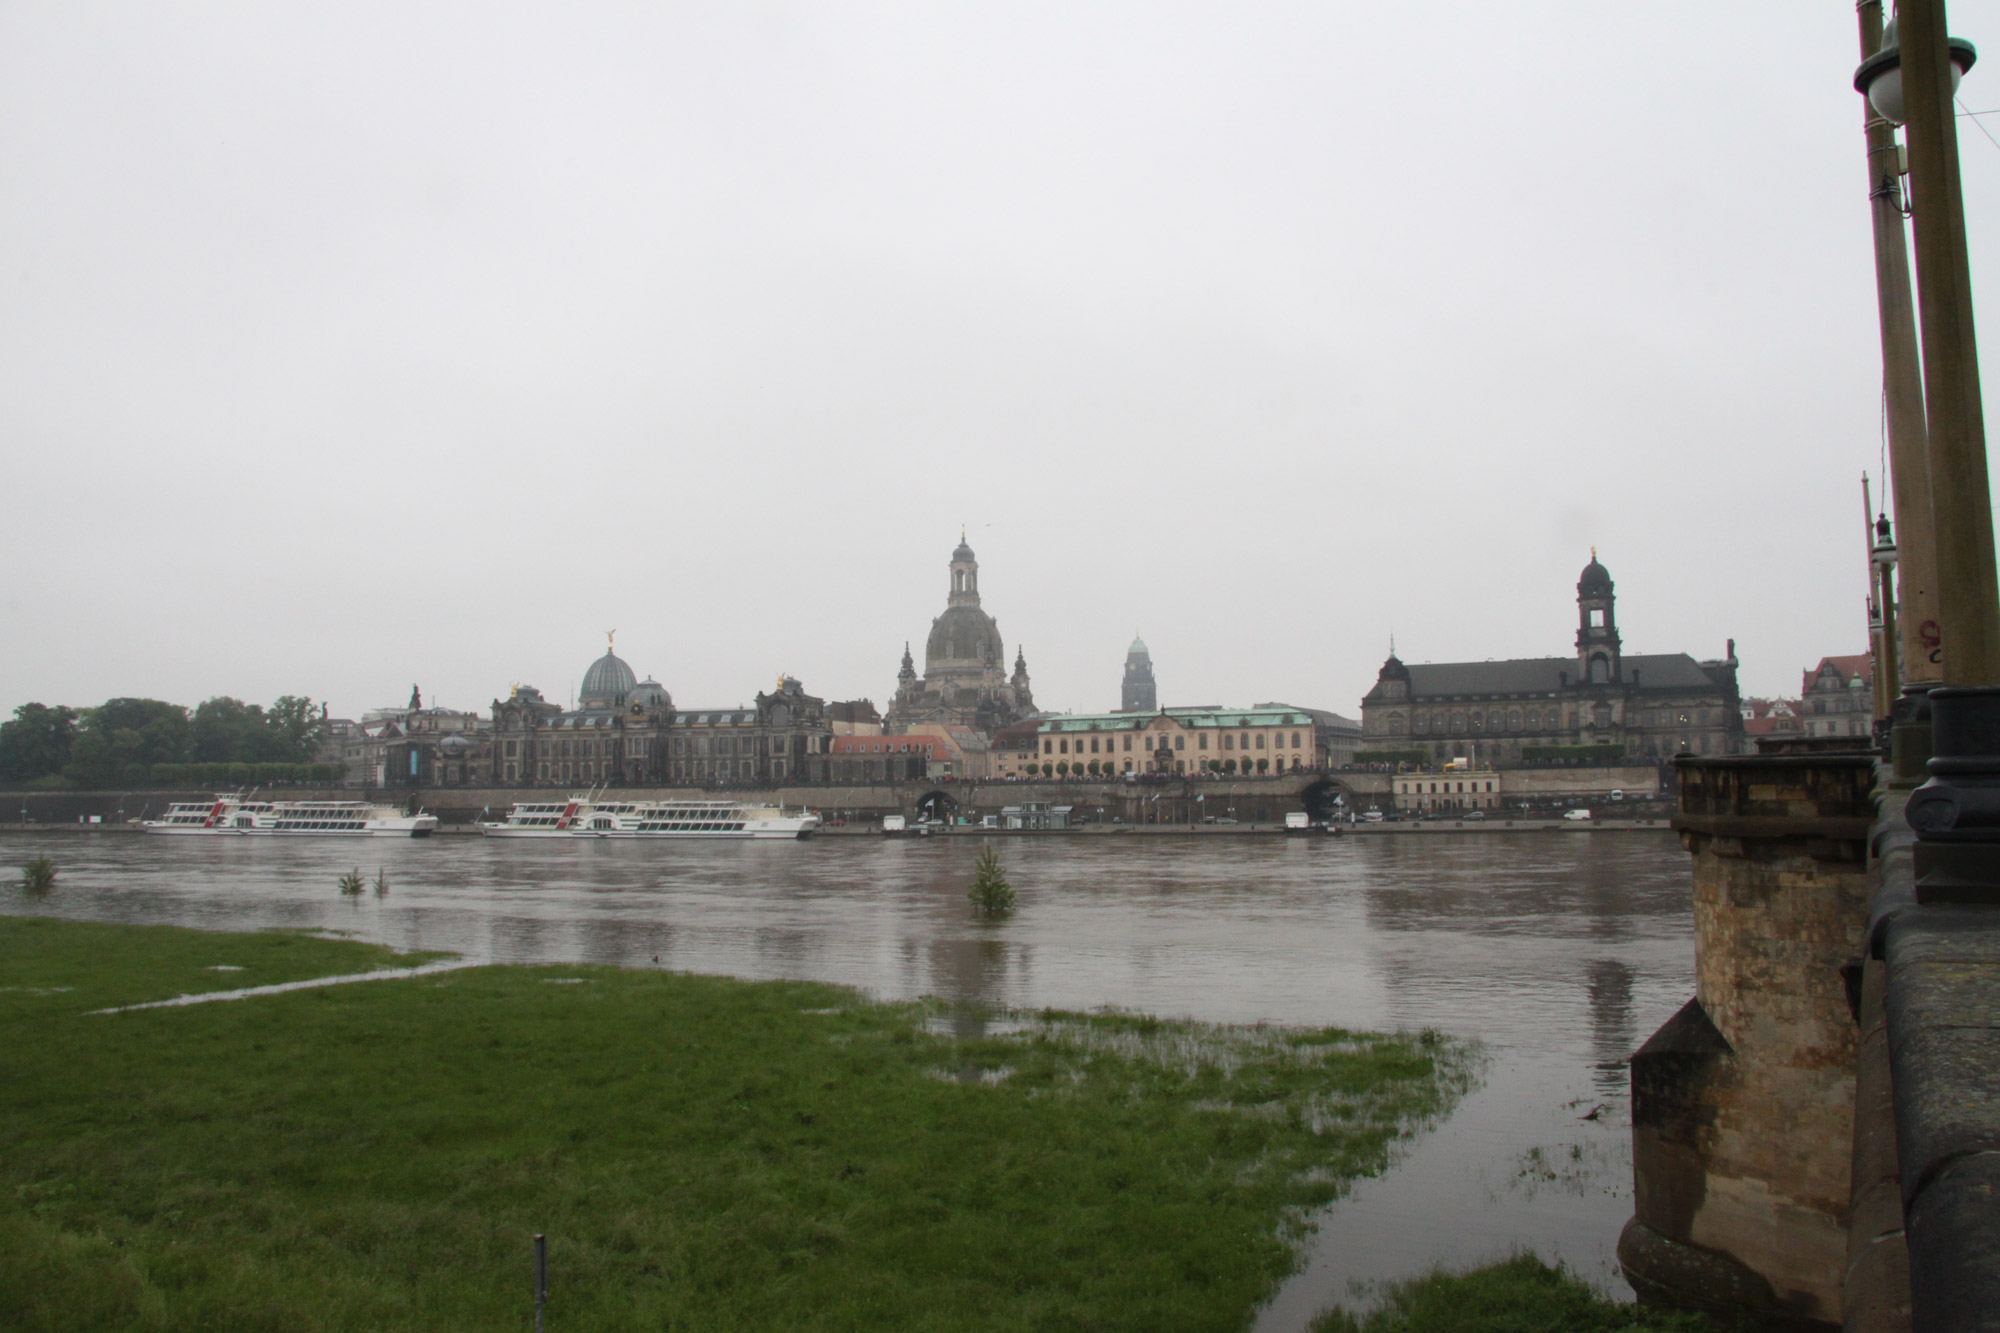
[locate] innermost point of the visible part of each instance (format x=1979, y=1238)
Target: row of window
x=1060, y=744
x=637, y=747
x=1533, y=720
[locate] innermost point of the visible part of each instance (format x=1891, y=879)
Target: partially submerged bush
x=38, y=876
x=352, y=884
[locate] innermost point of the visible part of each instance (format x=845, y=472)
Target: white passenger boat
x=596, y=817
x=243, y=816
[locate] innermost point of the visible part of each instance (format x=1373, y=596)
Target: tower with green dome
x=1140, y=694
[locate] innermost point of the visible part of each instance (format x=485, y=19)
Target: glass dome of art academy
x=607, y=682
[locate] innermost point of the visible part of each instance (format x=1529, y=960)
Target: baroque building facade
x=965, y=681
x=625, y=731
x=1650, y=706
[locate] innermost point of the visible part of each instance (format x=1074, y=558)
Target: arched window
x=1458, y=722
x=1478, y=721
x=1493, y=720
x=1535, y=720
x=1600, y=670
x=1513, y=719
x=1421, y=725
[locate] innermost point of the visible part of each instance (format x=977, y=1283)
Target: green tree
x=297, y=726
x=229, y=731
x=120, y=740
x=36, y=743
x=990, y=893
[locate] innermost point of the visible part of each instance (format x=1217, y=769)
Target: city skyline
x=427, y=344
x=563, y=687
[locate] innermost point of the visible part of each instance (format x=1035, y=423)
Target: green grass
x=50, y=967
x=1521, y=1295
x=703, y=1153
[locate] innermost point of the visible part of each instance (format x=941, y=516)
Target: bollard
x=541, y=1277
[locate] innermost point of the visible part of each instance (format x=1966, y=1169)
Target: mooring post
x=541, y=1277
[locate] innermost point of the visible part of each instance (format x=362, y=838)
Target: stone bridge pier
x=1743, y=1104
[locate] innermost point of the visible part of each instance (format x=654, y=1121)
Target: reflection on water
x=1552, y=949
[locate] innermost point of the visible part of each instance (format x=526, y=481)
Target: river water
x=1558, y=952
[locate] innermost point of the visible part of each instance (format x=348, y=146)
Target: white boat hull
x=421, y=827
x=775, y=828
x=593, y=816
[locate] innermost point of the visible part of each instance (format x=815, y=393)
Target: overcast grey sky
x=354, y=345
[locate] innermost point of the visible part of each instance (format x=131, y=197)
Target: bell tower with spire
x=1598, y=657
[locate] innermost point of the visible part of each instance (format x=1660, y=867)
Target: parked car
x=1475, y=814
x=1576, y=815
x=1371, y=816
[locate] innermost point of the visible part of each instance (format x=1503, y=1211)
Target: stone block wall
x=1743, y=1104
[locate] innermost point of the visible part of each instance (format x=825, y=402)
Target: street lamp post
x=1957, y=812
x=1902, y=397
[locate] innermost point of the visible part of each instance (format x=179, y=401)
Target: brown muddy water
x=1556, y=952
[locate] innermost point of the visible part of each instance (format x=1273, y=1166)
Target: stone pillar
x=1742, y=1105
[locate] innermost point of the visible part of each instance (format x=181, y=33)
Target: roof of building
x=1596, y=579
x=585, y=717
x=932, y=747
x=1218, y=718
x=964, y=634
x=1018, y=734
x=1320, y=716
x=1851, y=668
x=714, y=717
x=607, y=678
x=1547, y=675
x=852, y=710
x=1138, y=648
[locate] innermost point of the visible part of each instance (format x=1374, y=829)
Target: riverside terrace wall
x=1172, y=801
x=1264, y=800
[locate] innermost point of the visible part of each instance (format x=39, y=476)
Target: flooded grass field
x=1554, y=953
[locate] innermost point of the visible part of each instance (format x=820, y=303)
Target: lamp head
x=1880, y=76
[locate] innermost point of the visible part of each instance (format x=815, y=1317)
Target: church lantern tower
x=1597, y=651
x=964, y=576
